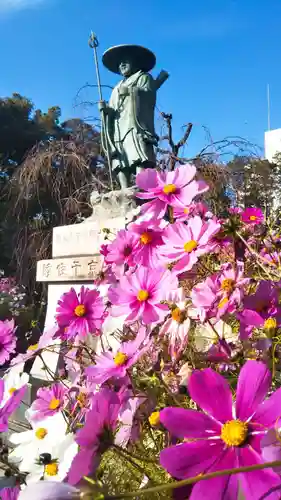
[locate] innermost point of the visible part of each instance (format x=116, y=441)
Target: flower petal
x=212, y=393
x=253, y=384
x=256, y=485
x=189, y=459
x=268, y=413
x=183, y=423
x=271, y=448
x=219, y=488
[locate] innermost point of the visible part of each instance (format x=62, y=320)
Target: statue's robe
x=130, y=123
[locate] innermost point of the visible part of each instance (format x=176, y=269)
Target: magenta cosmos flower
x=149, y=240
x=96, y=436
x=221, y=293
x=252, y=216
x=140, y=294
x=122, y=250
x=185, y=243
x=11, y=405
x=49, y=401
x=223, y=437
x=261, y=309
x=115, y=364
x=79, y=315
x=7, y=340
x=175, y=189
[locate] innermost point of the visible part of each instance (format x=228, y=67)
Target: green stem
x=258, y=257
x=167, y=389
x=193, y=480
x=132, y=455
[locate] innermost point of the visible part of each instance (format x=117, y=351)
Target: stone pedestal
x=76, y=259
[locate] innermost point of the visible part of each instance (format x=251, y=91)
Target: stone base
x=119, y=204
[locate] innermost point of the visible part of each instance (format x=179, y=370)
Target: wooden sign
x=69, y=269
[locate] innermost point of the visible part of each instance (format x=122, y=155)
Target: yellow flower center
x=51, y=469
x=189, y=246
x=33, y=347
x=54, y=404
x=169, y=189
x=120, y=358
x=143, y=295
x=223, y=302
x=146, y=238
x=186, y=210
x=234, y=432
x=178, y=315
x=253, y=217
x=12, y=390
x=227, y=285
x=80, y=310
x=41, y=433
x=270, y=324
x=154, y=418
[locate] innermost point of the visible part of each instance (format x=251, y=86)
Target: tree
x=255, y=182
x=47, y=170
x=21, y=129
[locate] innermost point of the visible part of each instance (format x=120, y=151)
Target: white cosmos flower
x=207, y=334
x=57, y=464
x=14, y=379
x=49, y=491
x=42, y=438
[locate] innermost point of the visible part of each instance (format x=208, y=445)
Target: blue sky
x=220, y=54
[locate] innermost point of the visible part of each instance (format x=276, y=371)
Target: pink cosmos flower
x=221, y=437
x=7, y=340
x=149, y=240
x=96, y=436
x=45, y=341
x=175, y=189
x=80, y=315
x=115, y=364
x=272, y=258
x=252, y=216
x=122, y=250
x=50, y=400
x=221, y=293
x=10, y=493
x=184, y=213
x=176, y=327
x=261, y=309
x=235, y=210
x=129, y=424
x=10, y=406
x=185, y=243
x=140, y=294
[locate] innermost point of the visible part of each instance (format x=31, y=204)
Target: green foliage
x=256, y=182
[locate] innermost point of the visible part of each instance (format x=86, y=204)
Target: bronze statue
x=128, y=134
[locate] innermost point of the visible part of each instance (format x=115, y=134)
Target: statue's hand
x=102, y=105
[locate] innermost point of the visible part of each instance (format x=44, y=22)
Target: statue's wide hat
x=141, y=58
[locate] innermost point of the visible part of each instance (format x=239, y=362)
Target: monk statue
x=128, y=133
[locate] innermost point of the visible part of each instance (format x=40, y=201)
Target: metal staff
x=94, y=43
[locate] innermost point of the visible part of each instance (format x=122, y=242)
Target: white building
x=272, y=143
